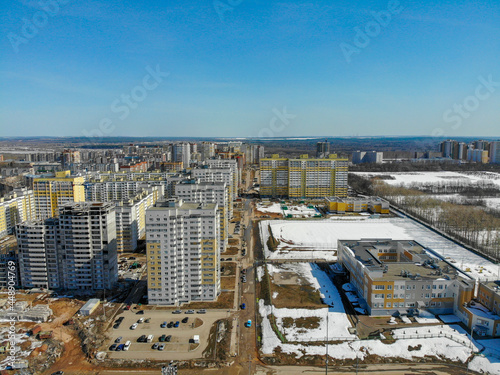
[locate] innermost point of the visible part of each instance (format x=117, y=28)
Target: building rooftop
x=400, y=260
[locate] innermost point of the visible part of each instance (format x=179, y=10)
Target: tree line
x=473, y=225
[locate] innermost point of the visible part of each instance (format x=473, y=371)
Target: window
x=389, y=296
x=389, y=287
x=379, y=296
x=388, y=304
x=379, y=287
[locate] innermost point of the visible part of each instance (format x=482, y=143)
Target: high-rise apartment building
x=106, y=190
x=75, y=251
x=233, y=165
x=17, y=207
x=495, y=152
x=208, y=192
x=359, y=157
x=322, y=149
x=303, y=177
x=225, y=175
x=131, y=218
x=182, y=152
x=53, y=192
x=182, y=252
x=207, y=150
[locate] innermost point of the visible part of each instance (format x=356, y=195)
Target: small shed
x=196, y=339
x=90, y=306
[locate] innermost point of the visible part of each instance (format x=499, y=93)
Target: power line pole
x=326, y=368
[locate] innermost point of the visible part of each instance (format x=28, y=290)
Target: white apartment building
x=76, y=251
x=17, y=207
x=227, y=163
x=495, y=152
x=166, y=180
x=131, y=218
x=207, y=150
x=182, y=152
x=208, y=192
x=182, y=252
x=226, y=175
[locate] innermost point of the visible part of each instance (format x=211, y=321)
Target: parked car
x=140, y=312
x=162, y=338
x=140, y=320
x=116, y=326
x=243, y=306
x=120, y=347
x=185, y=320
x=118, y=339
x=248, y=323
x=58, y=373
x=161, y=347
x=134, y=326
x=127, y=307
x=176, y=324
x=201, y=311
x=189, y=312
x=142, y=338
x=163, y=325
x=147, y=320
x=168, y=338
x=113, y=347
x=155, y=345
x=127, y=345
x=177, y=312
x=170, y=325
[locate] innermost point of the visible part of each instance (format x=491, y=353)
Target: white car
x=127, y=345
x=140, y=320
x=134, y=326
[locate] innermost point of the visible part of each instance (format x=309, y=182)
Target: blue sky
x=233, y=65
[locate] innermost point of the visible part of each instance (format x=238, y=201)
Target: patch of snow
x=260, y=273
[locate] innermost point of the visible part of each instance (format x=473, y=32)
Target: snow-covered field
x=318, y=240
x=408, y=178
x=338, y=323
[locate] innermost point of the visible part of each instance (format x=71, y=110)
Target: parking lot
x=178, y=348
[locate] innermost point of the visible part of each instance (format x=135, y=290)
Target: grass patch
x=311, y=322
x=229, y=269
x=297, y=296
x=231, y=251
x=272, y=320
x=227, y=282
x=233, y=241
